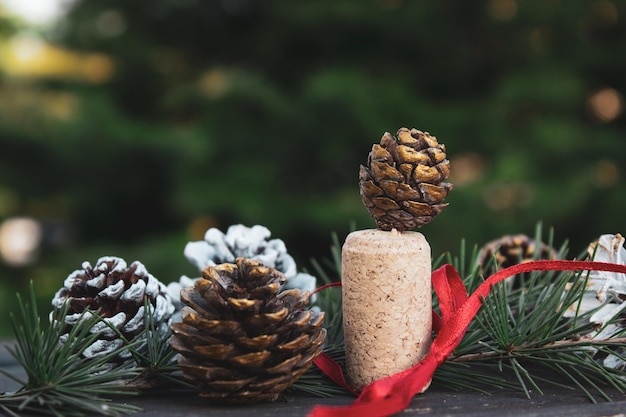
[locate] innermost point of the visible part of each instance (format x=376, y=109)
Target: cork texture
x=386, y=303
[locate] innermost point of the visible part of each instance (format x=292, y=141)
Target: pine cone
x=402, y=185
x=241, y=339
x=511, y=250
x=118, y=292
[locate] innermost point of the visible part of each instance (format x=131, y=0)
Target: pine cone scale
x=267, y=319
x=264, y=292
x=194, y=371
x=372, y=189
x=215, y=351
x=190, y=332
x=405, y=192
x=231, y=385
x=385, y=203
x=423, y=173
x=403, y=216
x=285, y=366
x=302, y=319
x=244, y=304
x=253, y=359
x=417, y=208
x=380, y=153
x=196, y=303
x=259, y=342
x=295, y=344
x=213, y=327
x=433, y=194
x=384, y=171
x=409, y=155
x=280, y=382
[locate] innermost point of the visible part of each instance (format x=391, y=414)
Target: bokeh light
x=20, y=238
x=605, y=174
x=36, y=11
x=503, y=10
x=466, y=168
x=605, y=104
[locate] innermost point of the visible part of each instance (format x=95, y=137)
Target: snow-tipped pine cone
x=120, y=293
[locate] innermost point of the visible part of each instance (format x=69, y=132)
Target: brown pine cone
x=511, y=250
x=402, y=185
x=241, y=338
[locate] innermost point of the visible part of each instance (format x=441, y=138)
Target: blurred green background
x=128, y=128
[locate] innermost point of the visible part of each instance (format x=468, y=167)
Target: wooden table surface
x=434, y=402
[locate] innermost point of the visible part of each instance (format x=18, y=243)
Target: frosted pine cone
x=403, y=185
x=241, y=338
x=119, y=292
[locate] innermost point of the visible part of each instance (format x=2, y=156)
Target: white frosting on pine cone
x=137, y=322
x=113, y=291
x=108, y=323
x=173, y=290
x=303, y=281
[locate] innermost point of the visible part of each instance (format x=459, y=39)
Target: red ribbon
x=394, y=393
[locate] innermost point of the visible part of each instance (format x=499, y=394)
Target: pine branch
x=523, y=328
x=60, y=382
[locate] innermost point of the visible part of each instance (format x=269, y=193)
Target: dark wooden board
x=434, y=402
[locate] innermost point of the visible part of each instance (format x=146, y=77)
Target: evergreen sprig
x=522, y=329
x=60, y=382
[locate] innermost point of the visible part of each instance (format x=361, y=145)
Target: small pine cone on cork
x=403, y=185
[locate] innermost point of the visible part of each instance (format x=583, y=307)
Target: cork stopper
x=387, y=303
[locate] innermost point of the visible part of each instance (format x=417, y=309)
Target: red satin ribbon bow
x=394, y=393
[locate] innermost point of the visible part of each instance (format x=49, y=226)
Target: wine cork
x=387, y=303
